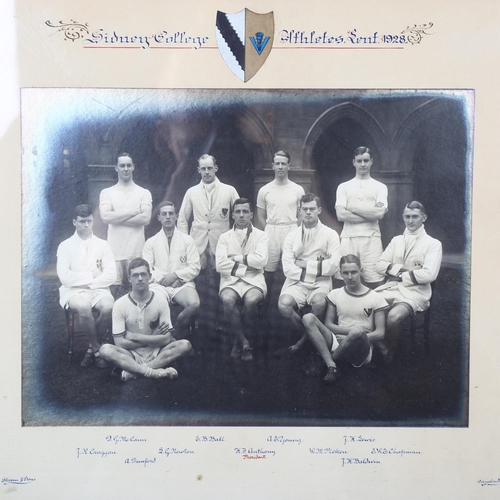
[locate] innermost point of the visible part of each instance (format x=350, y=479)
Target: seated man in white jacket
x=411, y=263
x=310, y=259
x=86, y=268
x=175, y=263
x=241, y=255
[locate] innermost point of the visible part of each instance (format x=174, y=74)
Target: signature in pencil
x=489, y=482
x=21, y=480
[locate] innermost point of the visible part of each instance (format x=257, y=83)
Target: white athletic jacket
x=77, y=263
x=322, y=254
x=181, y=258
x=254, y=252
x=205, y=225
x=424, y=255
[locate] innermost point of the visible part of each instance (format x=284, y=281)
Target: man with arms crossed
x=142, y=331
x=411, y=263
x=310, y=259
x=360, y=204
x=175, y=263
x=86, y=268
x=354, y=321
x=126, y=207
x=277, y=211
x=241, y=256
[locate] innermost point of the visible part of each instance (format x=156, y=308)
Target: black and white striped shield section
x=245, y=40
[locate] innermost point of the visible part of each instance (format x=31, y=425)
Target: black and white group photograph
x=280, y=257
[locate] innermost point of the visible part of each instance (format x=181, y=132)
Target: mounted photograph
x=270, y=257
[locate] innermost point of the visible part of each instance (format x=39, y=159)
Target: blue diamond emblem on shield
x=245, y=40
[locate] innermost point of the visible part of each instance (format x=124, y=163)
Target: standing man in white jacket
x=241, y=256
x=205, y=214
x=411, y=262
x=86, y=268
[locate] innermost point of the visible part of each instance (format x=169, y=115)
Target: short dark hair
x=361, y=151
x=82, y=211
x=308, y=197
x=242, y=201
x=206, y=156
x=166, y=204
x=416, y=205
x=350, y=259
x=139, y=262
x=124, y=154
x=282, y=153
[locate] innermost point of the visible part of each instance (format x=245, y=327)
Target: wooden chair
x=420, y=323
x=72, y=329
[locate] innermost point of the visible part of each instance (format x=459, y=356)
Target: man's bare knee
x=107, y=351
x=285, y=306
x=309, y=320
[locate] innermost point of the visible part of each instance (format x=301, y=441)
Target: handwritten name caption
x=124, y=439
x=81, y=452
x=358, y=439
x=327, y=451
x=210, y=439
x=394, y=451
x=283, y=440
x=359, y=461
x=174, y=451
x=144, y=462
x=254, y=454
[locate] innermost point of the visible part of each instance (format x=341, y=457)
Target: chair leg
x=427, y=340
x=413, y=328
x=70, y=323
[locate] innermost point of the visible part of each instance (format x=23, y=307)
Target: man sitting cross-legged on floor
x=142, y=331
x=240, y=259
x=354, y=321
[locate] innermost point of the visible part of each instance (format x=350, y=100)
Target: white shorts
x=394, y=296
x=277, y=235
x=93, y=296
x=303, y=294
x=368, y=249
x=122, y=271
x=207, y=258
x=335, y=343
x=241, y=287
x=146, y=356
x=367, y=359
x=169, y=292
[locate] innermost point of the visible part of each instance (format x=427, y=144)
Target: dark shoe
x=247, y=354
x=331, y=375
x=99, y=362
x=88, y=359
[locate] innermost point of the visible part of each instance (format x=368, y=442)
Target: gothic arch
x=345, y=110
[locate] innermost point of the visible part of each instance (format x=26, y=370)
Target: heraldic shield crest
x=245, y=40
